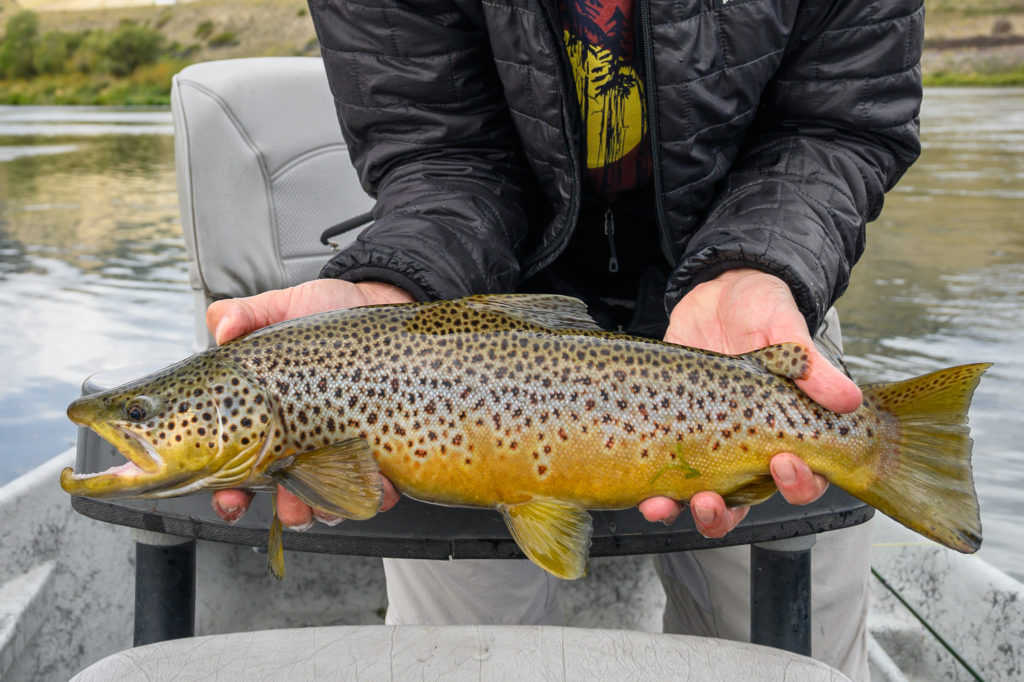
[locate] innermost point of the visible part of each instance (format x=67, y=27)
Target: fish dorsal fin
x=554, y=535
x=342, y=479
x=275, y=546
x=546, y=310
x=501, y=312
x=757, y=489
x=789, y=360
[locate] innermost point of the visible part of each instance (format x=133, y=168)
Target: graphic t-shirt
x=599, y=38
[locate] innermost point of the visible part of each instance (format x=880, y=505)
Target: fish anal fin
x=757, y=489
x=554, y=535
x=342, y=479
x=789, y=360
x=275, y=548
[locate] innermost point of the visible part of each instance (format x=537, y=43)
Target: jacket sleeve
x=422, y=111
x=837, y=128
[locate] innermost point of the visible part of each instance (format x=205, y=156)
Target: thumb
x=826, y=385
x=230, y=319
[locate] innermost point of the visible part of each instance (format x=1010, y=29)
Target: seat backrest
x=262, y=170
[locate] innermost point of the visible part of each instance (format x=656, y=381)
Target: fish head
x=200, y=424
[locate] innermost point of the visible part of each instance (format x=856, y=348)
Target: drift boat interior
x=259, y=155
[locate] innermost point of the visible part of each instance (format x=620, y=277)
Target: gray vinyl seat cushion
x=262, y=170
x=456, y=652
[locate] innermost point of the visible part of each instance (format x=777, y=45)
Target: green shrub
x=165, y=16
x=204, y=29
x=17, y=51
x=54, y=50
x=91, y=55
x=223, y=39
x=119, y=52
x=130, y=46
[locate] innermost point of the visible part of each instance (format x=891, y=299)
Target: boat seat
x=457, y=652
x=254, y=194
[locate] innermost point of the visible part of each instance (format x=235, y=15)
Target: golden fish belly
x=604, y=456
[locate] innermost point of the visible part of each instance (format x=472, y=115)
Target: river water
x=93, y=274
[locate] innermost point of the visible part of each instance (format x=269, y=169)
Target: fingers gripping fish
x=522, y=404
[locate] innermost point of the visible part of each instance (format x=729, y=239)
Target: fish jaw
x=200, y=424
x=145, y=469
x=126, y=480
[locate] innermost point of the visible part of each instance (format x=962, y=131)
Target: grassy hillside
x=188, y=33
x=974, y=42
x=967, y=42
x=246, y=28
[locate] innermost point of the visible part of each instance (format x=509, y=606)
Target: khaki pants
x=707, y=594
x=707, y=591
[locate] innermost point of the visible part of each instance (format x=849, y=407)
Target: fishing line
x=929, y=628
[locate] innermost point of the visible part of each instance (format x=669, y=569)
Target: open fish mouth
x=144, y=471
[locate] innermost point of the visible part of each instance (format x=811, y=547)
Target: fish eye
x=138, y=409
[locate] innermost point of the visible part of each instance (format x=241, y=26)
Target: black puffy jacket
x=777, y=126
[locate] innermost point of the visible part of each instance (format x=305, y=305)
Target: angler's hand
x=737, y=312
x=234, y=317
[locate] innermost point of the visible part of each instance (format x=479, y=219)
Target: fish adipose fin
x=554, y=535
x=925, y=479
x=341, y=479
x=789, y=360
x=758, y=489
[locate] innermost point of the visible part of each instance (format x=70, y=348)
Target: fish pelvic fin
x=275, y=547
x=555, y=535
x=342, y=479
x=756, y=490
x=788, y=360
x=924, y=481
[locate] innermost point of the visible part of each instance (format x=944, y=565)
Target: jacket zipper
x=609, y=231
x=544, y=258
x=652, y=127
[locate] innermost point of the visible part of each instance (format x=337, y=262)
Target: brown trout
x=522, y=404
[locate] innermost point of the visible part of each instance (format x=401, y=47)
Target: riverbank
x=189, y=32
x=968, y=42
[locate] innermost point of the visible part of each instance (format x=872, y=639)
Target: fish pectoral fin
x=342, y=479
x=275, y=548
x=554, y=535
x=546, y=310
x=789, y=360
x=757, y=489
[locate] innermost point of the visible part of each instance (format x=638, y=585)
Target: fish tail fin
x=923, y=479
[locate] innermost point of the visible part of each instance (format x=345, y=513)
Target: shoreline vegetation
x=128, y=55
